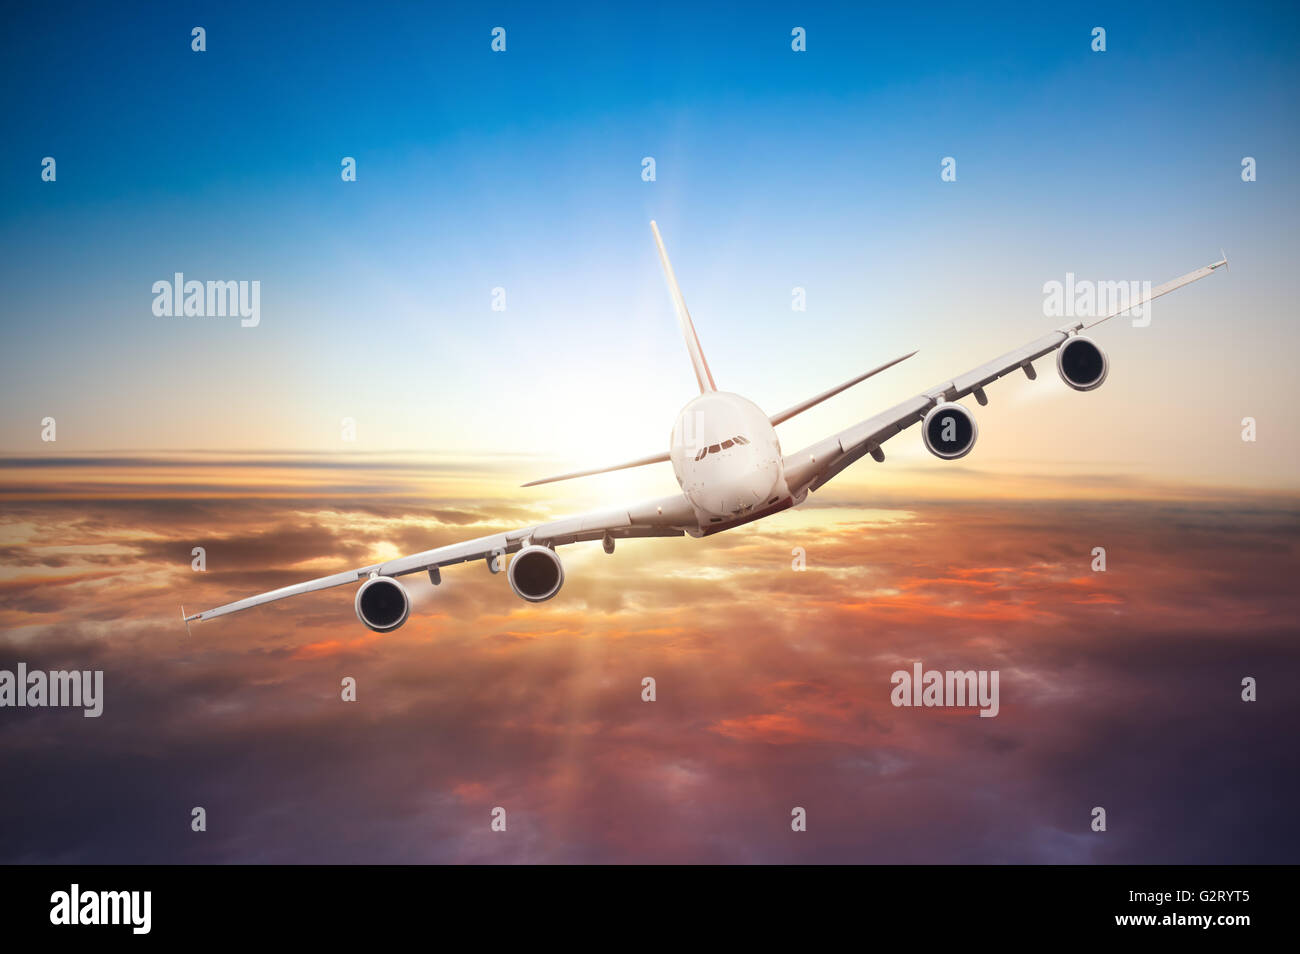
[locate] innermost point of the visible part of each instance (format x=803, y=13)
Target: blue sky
x=522, y=170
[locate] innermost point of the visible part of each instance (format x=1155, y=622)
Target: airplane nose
x=743, y=490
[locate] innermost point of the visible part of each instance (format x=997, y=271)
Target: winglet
x=1223, y=256
x=186, y=620
x=703, y=375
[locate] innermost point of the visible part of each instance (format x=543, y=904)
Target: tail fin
x=702, y=373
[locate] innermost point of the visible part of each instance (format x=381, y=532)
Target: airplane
x=728, y=462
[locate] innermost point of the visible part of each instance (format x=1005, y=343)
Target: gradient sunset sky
x=522, y=170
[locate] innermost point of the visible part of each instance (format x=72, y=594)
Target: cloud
x=1119, y=689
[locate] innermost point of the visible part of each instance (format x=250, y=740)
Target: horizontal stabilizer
x=639, y=462
x=814, y=401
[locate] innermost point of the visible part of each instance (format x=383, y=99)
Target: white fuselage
x=726, y=456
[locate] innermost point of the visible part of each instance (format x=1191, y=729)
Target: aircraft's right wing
x=665, y=517
x=813, y=466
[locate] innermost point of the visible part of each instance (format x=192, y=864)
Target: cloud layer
x=1118, y=689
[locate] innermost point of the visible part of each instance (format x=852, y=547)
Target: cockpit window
x=715, y=448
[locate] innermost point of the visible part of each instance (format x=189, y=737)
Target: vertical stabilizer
x=702, y=373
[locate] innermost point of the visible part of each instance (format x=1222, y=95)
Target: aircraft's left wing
x=813, y=466
x=666, y=517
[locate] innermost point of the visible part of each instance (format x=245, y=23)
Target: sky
x=522, y=171
x=517, y=177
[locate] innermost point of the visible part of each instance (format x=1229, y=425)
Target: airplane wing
x=813, y=466
x=666, y=517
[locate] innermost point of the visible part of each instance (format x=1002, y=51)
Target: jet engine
x=535, y=573
x=382, y=604
x=949, y=431
x=1081, y=363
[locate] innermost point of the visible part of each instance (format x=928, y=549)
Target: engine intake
x=949, y=431
x=535, y=573
x=1081, y=363
x=382, y=604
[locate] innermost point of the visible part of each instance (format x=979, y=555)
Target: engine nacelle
x=535, y=573
x=1081, y=363
x=382, y=604
x=949, y=431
